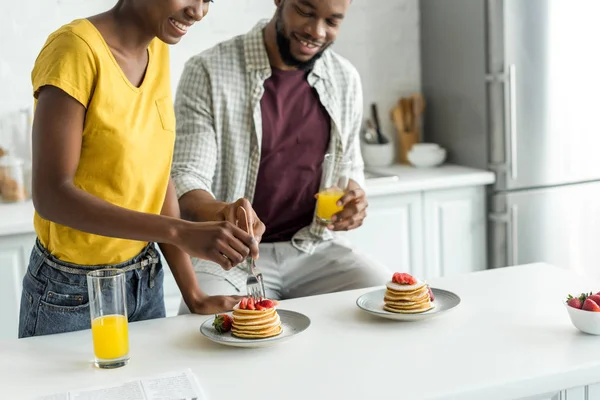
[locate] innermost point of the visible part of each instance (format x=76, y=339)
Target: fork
x=255, y=286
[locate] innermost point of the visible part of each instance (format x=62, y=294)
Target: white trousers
x=289, y=273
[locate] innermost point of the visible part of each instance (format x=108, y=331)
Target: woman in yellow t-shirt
x=103, y=136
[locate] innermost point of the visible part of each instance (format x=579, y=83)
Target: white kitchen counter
x=18, y=218
x=411, y=179
x=510, y=338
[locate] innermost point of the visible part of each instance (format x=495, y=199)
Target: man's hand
x=214, y=304
x=355, y=209
x=231, y=213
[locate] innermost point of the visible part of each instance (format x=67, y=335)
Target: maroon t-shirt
x=295, y=138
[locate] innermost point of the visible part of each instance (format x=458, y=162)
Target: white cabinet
x=171, y=290
x=392, y=232
x=429, y=233
x=455, y=231
x=14, y=259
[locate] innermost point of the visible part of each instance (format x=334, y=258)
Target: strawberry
x=574, y=302
x=259, y=307
x=590, y=305
x=244, y=303
x=267, y=304
x=595, y=297
x=403, y=278
x=222, y=323
x=251, y=305
x=431, y=297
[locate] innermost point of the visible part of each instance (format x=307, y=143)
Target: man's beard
x=284, y=43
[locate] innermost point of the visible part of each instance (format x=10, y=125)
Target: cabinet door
x=171, y=290
x=455, y=231
x=14, y=258
x=392, y=232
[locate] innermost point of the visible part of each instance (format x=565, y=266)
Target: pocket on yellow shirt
x=167, y=113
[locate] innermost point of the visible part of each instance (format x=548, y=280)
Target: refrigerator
x=513, y=86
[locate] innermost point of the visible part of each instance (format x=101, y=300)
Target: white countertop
x=509, y=338
x=18, y=218
x=411, y=179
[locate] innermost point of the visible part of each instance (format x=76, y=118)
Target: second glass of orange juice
x=108, y=312
x=334, y=182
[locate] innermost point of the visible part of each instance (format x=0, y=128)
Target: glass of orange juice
x=108, y=312
x=334, y=182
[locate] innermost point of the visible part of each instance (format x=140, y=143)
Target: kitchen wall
x=381, y=40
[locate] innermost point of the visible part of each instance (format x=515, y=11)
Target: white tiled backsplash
x=379, y=36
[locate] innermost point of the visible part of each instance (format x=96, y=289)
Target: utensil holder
x=405, y=142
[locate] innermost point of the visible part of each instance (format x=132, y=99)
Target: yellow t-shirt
x=128, y=135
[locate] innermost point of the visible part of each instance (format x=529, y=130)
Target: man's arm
x=353, y=151
x=354, y=201
x=195, y=156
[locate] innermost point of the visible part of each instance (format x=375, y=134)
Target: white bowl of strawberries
x=584, y=312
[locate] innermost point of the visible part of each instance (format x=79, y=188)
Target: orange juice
x=326, y=203
x=111, y=337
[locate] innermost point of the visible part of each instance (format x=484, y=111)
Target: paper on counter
x=181, y=385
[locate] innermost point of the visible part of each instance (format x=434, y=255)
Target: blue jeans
x=55, y=294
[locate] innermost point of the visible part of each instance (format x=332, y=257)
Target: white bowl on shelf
x=378, y=155
x=426, y=155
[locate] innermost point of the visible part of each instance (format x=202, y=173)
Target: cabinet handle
x=513, y=235
x=510, y=126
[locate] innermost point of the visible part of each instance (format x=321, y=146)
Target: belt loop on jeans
x=153, y=259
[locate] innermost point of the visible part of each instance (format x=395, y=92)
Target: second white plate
x=372, y=303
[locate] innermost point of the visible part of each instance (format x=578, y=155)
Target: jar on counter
x=12, y=179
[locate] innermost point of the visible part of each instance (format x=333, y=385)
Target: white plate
x=292, y=323
x=372, y=303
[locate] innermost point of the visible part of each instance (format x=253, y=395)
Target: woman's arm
x=57, y=139
x=183, y=272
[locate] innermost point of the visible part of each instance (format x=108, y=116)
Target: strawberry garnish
x=590, y=305
x=222, y=323
x=402, y=278
x=244, y=303
x=251, y=305
x=259, y=307
x=431, y=297
x=266, y=304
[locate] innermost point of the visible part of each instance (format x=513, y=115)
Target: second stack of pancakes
x=407, y=299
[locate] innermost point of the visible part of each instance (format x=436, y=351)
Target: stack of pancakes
x=407, y=299
x=255, y=324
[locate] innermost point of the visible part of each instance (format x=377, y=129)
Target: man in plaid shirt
x=255, y=117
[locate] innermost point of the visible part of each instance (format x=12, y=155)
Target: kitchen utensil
x=375, y=115
x=418, y=110
x=370, y=134
x=407, y=111
x=292, y=324
x=372, y=302
x=405, y=137
x=255, y=286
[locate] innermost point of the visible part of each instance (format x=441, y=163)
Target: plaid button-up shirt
x=219, y=127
